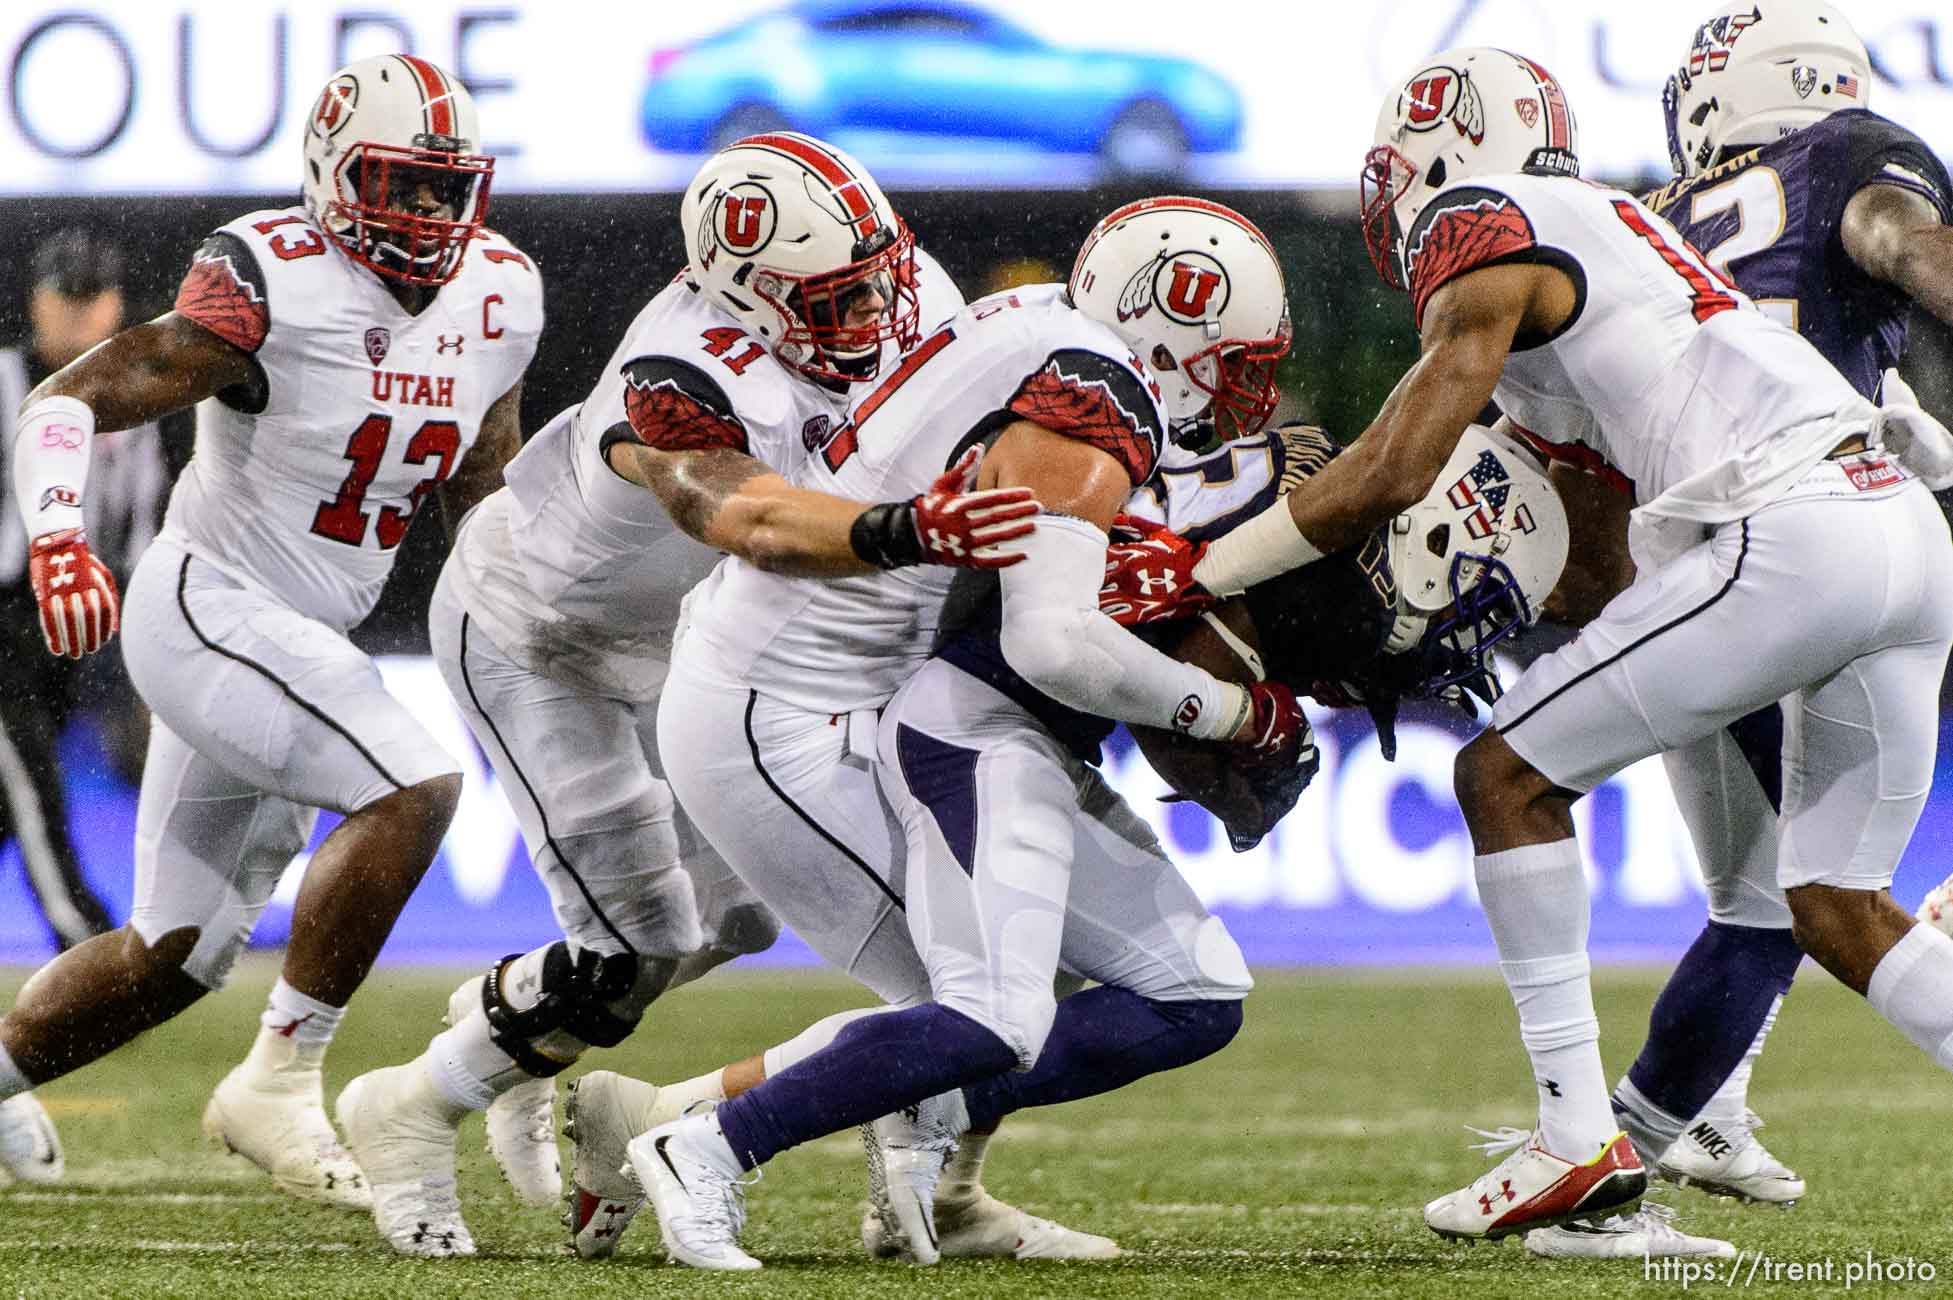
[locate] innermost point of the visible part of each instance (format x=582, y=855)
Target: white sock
x=812, y=1039
x=674, y=1099
x=466, y=1067
x=1535, y=900
x=12, y=1081
x=1912, y=986
x=299, y=1017
x=1732, y=1100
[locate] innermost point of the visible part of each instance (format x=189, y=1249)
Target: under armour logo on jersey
x=450, y=341
x=1552, y=1087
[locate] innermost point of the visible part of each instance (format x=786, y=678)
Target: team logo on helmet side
x=1441, y=94
x=1192, y=280
x=1803, y=80
x=1480, y=496
x=378, y=340
x=743, y=218
x=1528, y=111
x=1182, y=285
x=335, y=107
x=1710, y=50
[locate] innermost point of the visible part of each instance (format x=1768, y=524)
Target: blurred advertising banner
x=209, y=96
x=1372, y=868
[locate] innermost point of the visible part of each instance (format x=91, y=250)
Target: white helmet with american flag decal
x=391, y=168
x=1197, y=293
x=794, y=239
x=1473, y=111
x=1750, y=77
x=1476, y=559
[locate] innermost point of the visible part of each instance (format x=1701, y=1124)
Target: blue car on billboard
x=948, y=71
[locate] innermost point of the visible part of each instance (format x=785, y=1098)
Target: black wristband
x=885, y=535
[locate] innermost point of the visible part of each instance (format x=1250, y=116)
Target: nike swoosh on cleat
x=659, y=1147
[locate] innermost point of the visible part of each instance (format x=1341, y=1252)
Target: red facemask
x=389, y=229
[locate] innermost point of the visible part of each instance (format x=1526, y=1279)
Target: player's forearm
x=1054, y=636
x=790, y=530
x=734, y=503
x=1924, y=269
x=138, y=376
x=1383, y=473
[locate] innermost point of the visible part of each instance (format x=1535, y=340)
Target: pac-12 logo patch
x=815, y=433
x=378, y=340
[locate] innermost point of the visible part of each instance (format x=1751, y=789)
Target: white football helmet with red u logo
x=391, y=168
x=787, y=233
x=1751, y=77
x=1197, y=293
x=1473, y=111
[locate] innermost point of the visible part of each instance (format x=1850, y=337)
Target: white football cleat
x=987, y=1228
x=695, y=1187
x=403, y=1132
x=1728, y=1160
x=1533, y=1188
x=1649, y=1233
x=521, y=1122
x=906, y=1154
x=522, y=1139
x=1937, y=909
x=30, y=1148
x=604, y=1112
x=276, y=1119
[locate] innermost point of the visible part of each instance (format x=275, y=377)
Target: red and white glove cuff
x=51, y=452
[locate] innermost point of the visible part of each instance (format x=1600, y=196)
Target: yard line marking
x=146, y=1198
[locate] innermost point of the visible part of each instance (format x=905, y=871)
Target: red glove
x=1276, y=727
x=961, y=528
x=75, y=591
x=1151, y=579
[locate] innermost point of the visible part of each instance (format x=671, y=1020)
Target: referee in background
x=74, y=301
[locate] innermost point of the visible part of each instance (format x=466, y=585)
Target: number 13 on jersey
x=344, y=518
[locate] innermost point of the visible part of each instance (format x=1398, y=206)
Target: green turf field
x=1290, y=1164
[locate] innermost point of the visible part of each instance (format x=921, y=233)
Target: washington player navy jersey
x=1770, y=219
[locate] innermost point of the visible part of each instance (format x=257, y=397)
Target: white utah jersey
x=578, y=573
x=1665, y=372
x=843, y=645
x=304, y=483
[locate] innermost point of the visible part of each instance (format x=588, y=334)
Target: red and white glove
x=1150, y=579
x=75, y=591
x=1276, y=727
x=962, y=528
